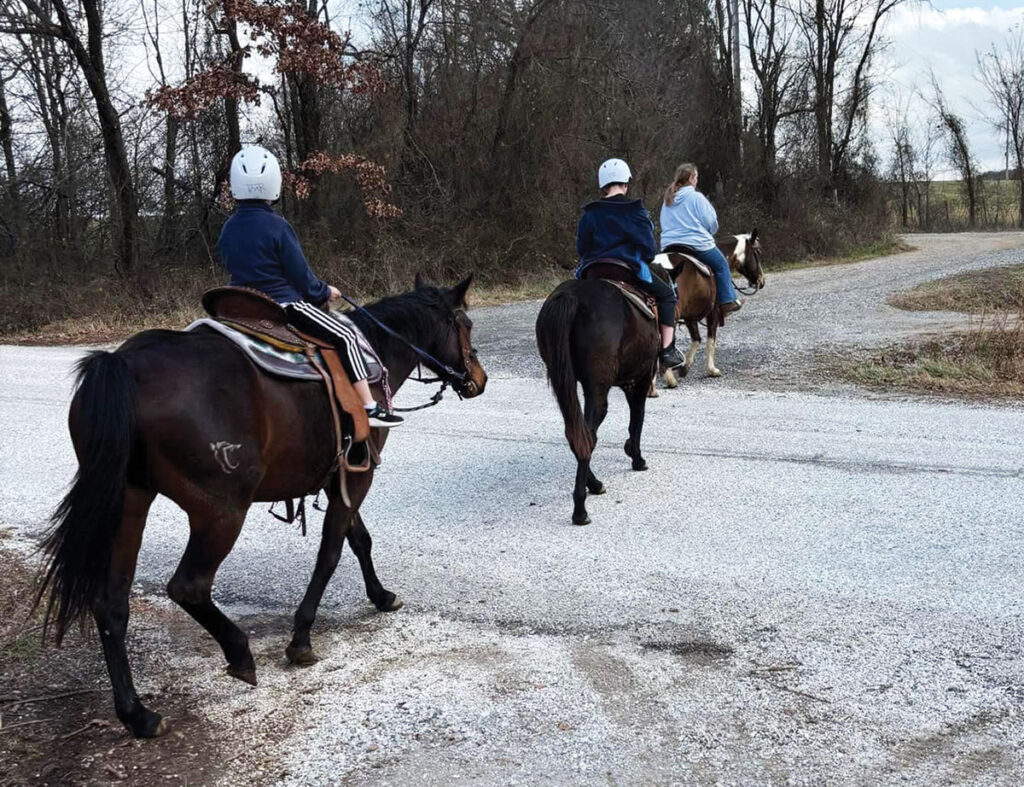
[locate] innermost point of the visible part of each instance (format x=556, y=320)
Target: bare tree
x=1001, y=71
x=958, y=148
x=87, y=48
x=841, y=37
x=770, y=33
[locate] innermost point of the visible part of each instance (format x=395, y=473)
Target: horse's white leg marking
x=713, y=370
x=692, y=352
x=670, y=379
x=652, y=392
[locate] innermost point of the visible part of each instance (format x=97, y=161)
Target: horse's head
x=453, y=344
x=746, y=259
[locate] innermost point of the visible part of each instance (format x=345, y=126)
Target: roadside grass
x=107, y=309
x=973, y=292
x=881, y=248
x=987, y=359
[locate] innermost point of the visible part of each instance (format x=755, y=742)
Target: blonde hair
x=683, y=174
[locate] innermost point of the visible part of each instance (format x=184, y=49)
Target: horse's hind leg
x=111, y=613
x=361, y=543
x=636, y=396
x=337, y=522
x=594, y=411
x=213, y=534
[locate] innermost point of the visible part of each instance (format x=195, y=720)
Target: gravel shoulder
x=807, y=587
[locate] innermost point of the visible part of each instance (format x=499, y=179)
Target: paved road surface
x=805, y=586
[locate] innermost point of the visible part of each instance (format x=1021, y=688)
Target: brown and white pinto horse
x=698, y=295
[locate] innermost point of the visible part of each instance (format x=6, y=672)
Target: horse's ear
x=753, y=235
x=420, y=282
x=459, y=292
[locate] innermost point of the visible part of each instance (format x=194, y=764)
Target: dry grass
x=985, y=360
x=883, y=248
x=975, y=292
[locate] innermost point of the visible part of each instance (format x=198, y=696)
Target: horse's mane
x=416, y=315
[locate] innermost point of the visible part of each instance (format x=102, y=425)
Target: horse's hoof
x=670, y=379
x=714, y=372
x=389, y=602
x=246, y=675
x=653, y=393
x=301, y=657
x=584, y=521
x=639, y=464
x=600, y=489
x=153, y=725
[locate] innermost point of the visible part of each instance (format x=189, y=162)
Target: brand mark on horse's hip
x=223, y=453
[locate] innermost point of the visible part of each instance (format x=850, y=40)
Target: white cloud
x=946, y=41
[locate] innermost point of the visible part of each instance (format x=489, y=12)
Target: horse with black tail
x=189, y=416
x=589, y=335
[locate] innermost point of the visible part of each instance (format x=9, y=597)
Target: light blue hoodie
x=690, y=220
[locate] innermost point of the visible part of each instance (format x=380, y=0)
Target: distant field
x=998, y=206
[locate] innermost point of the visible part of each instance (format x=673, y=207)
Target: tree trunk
x=7, y=142
x=169, y=221
x=89, y=56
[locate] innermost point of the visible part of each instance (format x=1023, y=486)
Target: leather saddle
x=621, y=276
x=254, y=313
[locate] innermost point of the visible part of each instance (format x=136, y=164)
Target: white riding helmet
x=614, y=170
x=255, y=174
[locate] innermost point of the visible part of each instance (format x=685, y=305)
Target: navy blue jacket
x=261, y=250
x=619, y=228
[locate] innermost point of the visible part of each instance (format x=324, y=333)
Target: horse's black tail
x=82, y=530
x=554, y=329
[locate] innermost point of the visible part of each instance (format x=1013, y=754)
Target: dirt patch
x=57, y=722
x=975, y=292
x=703, y=652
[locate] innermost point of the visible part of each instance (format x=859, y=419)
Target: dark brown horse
x=589, y=334
x=188, y=416
x=698, y=295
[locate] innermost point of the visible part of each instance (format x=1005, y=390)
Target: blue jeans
x=715, y=260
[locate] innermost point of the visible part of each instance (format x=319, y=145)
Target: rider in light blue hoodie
x=689, y=224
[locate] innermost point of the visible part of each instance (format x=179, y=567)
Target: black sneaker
x=670, y=357
x=382, y=419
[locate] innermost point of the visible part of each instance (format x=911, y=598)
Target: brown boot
x=732, y=306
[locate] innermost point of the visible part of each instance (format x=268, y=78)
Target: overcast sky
x=944, y=36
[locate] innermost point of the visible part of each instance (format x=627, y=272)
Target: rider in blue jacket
x=620, y=228
x=260, y=250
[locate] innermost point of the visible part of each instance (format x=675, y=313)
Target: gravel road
x=805, y=588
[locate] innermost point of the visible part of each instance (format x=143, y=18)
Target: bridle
x=446, y=375
x=752, y=289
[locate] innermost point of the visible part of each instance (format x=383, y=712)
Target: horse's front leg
x=713, y=318
x=691, y=326
x=337, y=522
x=361, y=543
x=637, y=399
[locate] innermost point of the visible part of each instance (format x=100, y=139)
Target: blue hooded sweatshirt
x=261, y=250
x=619, y=228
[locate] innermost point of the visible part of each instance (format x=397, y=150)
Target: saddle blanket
x=663, y=261
x=283, y=363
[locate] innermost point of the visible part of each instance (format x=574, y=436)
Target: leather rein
x=447, y=376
